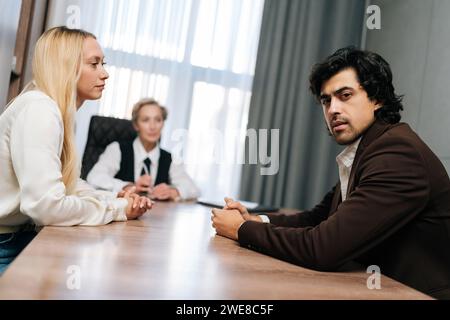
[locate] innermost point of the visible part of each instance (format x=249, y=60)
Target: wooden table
x=170, y=253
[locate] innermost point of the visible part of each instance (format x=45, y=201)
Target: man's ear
x=378, y=105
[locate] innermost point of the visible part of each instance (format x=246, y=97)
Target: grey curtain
x=295, y=34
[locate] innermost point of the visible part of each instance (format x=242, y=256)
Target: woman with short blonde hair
x=142, y=103
x=142, y=163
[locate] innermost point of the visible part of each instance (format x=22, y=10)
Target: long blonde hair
x=57, y=65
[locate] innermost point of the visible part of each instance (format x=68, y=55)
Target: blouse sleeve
x=36, y=143
x=182, y=181
x=102, y=173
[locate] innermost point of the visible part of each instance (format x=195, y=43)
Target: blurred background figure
x=142, y=163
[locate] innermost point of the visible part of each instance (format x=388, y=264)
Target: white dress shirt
x=31, y=186
x=103, y=173
x=345, y=162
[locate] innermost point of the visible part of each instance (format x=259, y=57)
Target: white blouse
x=31, y=186
x=103, y=173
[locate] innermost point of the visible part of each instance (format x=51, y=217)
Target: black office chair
x=103, y=131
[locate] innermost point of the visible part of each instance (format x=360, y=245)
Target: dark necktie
x=147, y=163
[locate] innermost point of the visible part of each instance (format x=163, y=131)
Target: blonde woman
x=39, y=173
x=141, y=163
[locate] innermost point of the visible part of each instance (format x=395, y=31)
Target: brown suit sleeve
x=392, y=189
x=310, y=218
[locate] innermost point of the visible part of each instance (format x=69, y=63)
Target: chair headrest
x=102, y=132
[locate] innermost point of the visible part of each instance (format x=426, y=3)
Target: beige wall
x=415, y=39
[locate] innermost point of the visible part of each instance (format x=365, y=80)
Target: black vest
x=126, y=172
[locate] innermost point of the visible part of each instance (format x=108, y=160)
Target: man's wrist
x=263, y=218
x=237, y=230
x=256, y=218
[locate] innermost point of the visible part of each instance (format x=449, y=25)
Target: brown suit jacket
x=396, y=216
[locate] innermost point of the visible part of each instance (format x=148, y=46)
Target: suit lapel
x=377, y=129
x=165, y=161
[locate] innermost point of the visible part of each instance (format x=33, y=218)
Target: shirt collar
x=347, y=155
x=141, y=154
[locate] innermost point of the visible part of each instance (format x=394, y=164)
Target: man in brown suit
x=391, y=207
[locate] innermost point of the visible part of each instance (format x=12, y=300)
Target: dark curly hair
x=374, y=75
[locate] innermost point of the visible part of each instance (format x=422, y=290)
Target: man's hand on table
x=228, y=220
